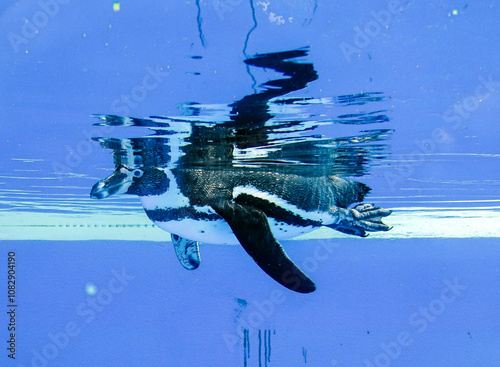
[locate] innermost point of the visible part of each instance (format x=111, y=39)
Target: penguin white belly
x=205, y=225
x=219, y=232
x=214, y=232
x=285, y=231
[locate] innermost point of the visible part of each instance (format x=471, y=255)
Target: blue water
x=99, y=285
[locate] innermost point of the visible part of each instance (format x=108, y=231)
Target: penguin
x=247, y=179
x=253, y=208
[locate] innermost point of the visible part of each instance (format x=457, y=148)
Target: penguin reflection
x=238, y=181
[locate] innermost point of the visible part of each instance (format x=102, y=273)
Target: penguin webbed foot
x=187, y=251
x=362, y=218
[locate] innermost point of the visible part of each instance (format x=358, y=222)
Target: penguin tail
x=348, y=192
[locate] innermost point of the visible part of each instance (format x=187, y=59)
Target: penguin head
x=146, y=181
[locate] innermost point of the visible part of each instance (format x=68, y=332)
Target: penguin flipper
x=251, y=228
x=187, y=252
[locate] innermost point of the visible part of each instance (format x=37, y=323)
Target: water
x=403, y=99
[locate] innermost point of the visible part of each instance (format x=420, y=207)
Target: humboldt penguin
x=241, y=179
x=252, y=208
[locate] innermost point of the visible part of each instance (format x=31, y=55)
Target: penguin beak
x=118, y=183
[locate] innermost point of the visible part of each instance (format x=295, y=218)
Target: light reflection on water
x=268, y=131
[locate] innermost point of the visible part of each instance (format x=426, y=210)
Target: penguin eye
x=138, y=173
